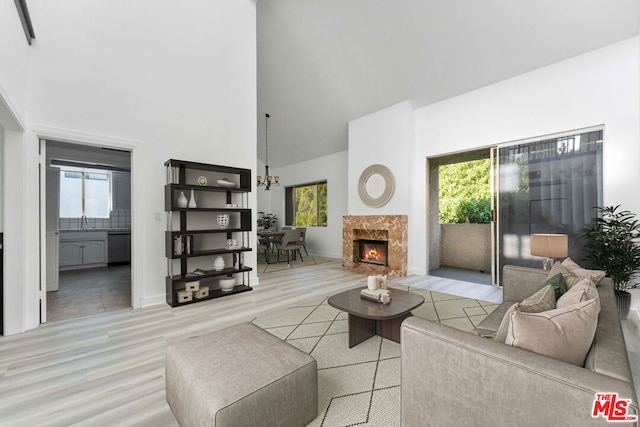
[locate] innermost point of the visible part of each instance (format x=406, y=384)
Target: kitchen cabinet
x=121, y=190
x=82, y=250
x=119, y=247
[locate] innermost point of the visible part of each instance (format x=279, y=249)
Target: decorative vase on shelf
x=192, y=200
x=182, y=200
x=223, y=220
x=218, y=264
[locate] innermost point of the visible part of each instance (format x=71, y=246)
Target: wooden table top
x=401, y=303
x=270, y=233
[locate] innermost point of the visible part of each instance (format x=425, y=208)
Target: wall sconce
x=549, y=246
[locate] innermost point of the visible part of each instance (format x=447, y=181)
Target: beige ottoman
x=240, y=376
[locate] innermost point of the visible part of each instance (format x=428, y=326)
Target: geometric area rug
x=360, y=386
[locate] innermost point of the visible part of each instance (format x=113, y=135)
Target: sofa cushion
x=583, y=291
x=501, y=334
x=543, y=300
x=563, y=333
x=557, y=281
x=490, y=324
x=569, y=278
x=578, y=271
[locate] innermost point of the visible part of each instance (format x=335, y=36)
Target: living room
x=184, y=85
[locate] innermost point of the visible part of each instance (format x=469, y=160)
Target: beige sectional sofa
x=453, y=377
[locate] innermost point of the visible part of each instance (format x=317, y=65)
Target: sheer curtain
x=548, y=186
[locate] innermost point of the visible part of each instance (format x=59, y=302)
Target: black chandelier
x=268, y=180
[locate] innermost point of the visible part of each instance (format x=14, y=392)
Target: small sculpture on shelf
x=223, y=220
x=182, y=200
x=218, y=264
x=227, y=284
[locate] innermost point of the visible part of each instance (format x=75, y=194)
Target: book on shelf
x=197, y=272
x=183, y=245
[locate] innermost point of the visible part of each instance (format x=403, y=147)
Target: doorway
x=460, y=222
x=548, y=184
x=88, y=229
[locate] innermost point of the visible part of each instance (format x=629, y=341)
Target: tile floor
x=90, y=291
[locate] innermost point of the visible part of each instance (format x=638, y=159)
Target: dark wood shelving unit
x=198, y=225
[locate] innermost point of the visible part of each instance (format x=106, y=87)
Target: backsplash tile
x=119, y=219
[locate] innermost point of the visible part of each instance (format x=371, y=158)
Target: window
x=306, y=205
x=84, y=194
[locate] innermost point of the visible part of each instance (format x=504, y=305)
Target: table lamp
x=549, y=246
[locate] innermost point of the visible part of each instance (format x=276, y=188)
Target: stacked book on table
x=378, y=295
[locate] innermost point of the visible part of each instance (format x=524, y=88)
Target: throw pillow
x=569, y=278
x=583, y=291
x=578, y=271
x=558, y=284
x=563, y=333
x=543, y=300
x=501, y=333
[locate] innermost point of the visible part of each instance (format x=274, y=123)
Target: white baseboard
x=156, y=300
x=416, y=272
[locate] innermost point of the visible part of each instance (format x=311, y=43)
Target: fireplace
x=391, y=229
x=371, y=251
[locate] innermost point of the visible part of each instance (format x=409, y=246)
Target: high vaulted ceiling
x=322, y=63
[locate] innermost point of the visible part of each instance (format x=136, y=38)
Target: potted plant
x=266, y=220
x=612, y=245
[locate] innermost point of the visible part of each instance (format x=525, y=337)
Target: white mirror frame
x=389, y=185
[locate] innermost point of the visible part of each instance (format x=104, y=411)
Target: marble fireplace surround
x=392, y=228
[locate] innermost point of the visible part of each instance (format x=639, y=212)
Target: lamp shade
x=550, y=245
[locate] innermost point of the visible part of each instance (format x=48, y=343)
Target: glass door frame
x=495, y=188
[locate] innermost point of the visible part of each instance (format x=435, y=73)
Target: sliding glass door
x=547, y=186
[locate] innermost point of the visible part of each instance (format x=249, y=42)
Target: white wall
x=1, y=179
x=14, y=53
x=18, y=300
x=323, y=241
x=600, y=87
x=172, y=79
x=384, y=137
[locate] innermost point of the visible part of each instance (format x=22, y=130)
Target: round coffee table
x=369, y=318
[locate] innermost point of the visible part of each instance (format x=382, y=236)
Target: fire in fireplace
x=371, y=251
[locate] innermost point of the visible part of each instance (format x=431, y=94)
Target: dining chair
x=303, y=237
x=290, y=243
x=263, y=244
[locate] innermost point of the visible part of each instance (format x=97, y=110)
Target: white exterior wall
x=164, y=79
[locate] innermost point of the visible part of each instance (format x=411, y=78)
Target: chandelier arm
x=266, y=182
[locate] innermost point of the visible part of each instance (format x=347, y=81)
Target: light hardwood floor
x=108, y=369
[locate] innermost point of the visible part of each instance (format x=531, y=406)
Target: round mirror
x=376, y=185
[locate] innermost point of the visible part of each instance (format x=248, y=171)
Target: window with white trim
x=85, y=193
